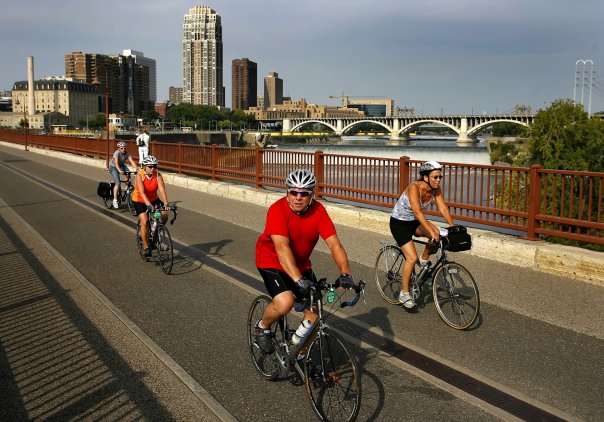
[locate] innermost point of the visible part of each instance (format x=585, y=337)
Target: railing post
x=534, y=200
x=214, y=158
x=180, y=156
x=319, y=163
x=259, y=166
x=403, y=173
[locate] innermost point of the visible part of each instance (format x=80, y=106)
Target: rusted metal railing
x=535, y=201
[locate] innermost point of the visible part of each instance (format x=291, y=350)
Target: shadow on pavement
x=54, y=362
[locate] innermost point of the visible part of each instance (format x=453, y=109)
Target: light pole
x=97, y=83
x=25, y=127
x=584, y=72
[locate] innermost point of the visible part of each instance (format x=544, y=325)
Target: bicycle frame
x=316, y=300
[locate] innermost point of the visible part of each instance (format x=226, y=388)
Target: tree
x=150, y=116
x=563, y=137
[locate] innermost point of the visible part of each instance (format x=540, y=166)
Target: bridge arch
x=324, y=123
x=407, y=128
x=376, y=122
x=481, y=126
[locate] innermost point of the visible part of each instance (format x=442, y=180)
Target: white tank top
x=402, y=210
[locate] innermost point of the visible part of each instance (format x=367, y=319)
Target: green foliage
x=202, y=116
x=508, y=129
x=96, y=120
x=149, y=116
x=563, y=137
x=503, y=152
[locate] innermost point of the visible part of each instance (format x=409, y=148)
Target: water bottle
x=303, y=330
x=423, y=270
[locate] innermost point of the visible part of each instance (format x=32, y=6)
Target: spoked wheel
x=333, y=383
x=165, y=254
x=388, y=266
x=268, y=365
x=139, y=242
x=456, y=296
x=129, y=201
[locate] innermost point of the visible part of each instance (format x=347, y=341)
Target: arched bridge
x=466, y=127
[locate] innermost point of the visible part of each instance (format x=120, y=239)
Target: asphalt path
x=197, y=314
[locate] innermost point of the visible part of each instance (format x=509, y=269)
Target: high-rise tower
x=202, y=57
x=273, y=90
x=244, y=84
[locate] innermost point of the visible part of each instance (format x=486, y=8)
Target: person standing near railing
x=143, y=140
x=408, y=220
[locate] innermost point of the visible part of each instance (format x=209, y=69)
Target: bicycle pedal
x=413, y=310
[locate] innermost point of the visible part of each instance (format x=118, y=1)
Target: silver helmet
x=301, y=179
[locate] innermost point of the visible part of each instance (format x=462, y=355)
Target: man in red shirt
x=293, y=226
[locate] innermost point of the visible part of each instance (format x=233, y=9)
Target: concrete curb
x=575, y=263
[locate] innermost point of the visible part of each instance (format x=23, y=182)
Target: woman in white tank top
x=408, y=220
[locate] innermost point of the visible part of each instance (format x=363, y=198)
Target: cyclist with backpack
x=117, y=166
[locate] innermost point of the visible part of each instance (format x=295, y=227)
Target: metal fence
x=534, y=201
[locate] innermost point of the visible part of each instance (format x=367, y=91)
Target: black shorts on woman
x=140, y=207
x=277, y=281
x=403, y=231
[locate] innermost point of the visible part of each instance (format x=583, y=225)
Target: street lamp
x=24, y=116
x=97, y=84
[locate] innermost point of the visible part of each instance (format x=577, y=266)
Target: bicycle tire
x=456, y=296
x=139, y=242
x=267, y=365
x=129, y=201
x=163, y=246
x=333, y=384
x=388, y=266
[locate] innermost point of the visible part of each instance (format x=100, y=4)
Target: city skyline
x=434, y=56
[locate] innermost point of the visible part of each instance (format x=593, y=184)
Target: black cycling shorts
x=277, y=281
x=140, y=207
x=403, y=231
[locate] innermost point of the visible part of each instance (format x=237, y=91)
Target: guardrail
x=534, y=201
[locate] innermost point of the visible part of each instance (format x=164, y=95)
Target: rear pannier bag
x=105, y=190
x=458, y=239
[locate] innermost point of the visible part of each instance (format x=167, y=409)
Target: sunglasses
x=303, y=193
x=436, y=177
x=123, y=149
x=152, y=166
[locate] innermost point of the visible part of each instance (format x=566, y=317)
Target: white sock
x=422, y=262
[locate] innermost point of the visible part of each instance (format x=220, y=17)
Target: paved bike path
x=424, y=329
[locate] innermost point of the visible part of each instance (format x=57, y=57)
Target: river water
x=423, y=149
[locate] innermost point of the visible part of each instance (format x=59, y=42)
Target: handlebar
x=170, y=207
x=323, y=285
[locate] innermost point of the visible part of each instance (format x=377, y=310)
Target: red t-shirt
x=303, y=232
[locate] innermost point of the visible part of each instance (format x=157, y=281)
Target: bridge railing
x=534, y=201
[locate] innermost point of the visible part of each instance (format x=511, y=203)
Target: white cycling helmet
x=149, y=160
x=429, y=166
x=301, y=179
x=121, y=144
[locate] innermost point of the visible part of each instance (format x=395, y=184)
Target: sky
x=436, y=56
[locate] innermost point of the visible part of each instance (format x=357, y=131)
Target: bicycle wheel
x=165, y=254
x=129, y=200
x=139, y=242
x=333, y=383
x=388, y=266
x=267, y=365
x=456, y=296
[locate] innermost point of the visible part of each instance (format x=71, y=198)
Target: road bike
x=454, y=290
x=123, y=195
x=160, y=241
x=333, y=384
